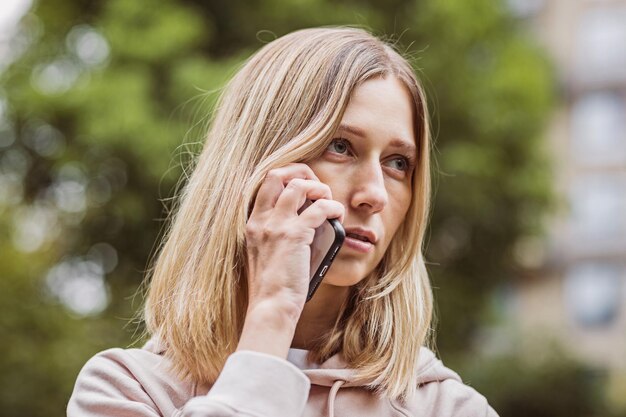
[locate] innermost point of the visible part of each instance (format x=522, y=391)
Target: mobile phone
x=326, y=243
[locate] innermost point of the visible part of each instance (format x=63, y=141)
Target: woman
x=332, y=115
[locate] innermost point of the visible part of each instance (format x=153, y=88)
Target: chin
x=344, y=277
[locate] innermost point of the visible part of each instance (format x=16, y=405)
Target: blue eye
x=401, y=164
x=339, y=146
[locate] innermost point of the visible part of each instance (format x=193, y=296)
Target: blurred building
x=578, y=293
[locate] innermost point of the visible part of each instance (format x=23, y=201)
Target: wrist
x=268, y=328
x=273, y=314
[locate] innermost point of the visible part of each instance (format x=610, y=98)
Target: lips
x=364, y=235
x=359, y=237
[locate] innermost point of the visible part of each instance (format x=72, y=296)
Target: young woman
x=332, y=115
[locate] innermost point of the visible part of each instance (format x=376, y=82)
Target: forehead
x=381, y=108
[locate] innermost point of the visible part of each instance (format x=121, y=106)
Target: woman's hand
x=278, y=239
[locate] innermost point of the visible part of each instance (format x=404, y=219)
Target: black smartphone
x=326, y=243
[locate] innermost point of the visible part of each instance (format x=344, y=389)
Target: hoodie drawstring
x=331, y=397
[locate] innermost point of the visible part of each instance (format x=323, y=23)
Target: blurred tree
x=552, y=385
x=109, y=101
x=494, y=95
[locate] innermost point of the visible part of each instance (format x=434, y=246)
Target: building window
x=598, y=204
x=600, y=55
x=593, y=292
x=525, y=8
x=598, y=129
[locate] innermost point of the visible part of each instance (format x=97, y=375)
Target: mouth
x=359, y=237
x=361, y=234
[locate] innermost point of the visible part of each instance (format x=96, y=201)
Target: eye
x=339, y=146
x=401, y=163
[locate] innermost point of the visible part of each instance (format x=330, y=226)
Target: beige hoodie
x=137, y=383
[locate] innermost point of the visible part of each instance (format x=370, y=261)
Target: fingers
x=321, y=210
x=297, y=192
x=275, y=182
x=284, y=192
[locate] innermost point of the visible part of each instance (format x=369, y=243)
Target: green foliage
x=116, y=125
x=42, y=345
x=550, y=386
x=492, y=96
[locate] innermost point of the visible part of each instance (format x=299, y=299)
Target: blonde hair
x=283, y=106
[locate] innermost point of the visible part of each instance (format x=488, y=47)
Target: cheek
x=331, y=175
x=394, y=217
x=400, y=201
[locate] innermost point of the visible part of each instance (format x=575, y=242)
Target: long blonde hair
x=283, y=106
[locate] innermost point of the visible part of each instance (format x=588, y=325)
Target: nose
x=370, y=194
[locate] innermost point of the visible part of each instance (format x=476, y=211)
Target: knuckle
x=332, y=206
x=266, y=233
x=251, y=229
x=275, y=232
x=304, y=168
x=326, y=203
x=320, y=203
x=272, y=174
x=296, y=184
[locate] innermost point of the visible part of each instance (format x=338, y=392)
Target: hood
x=334, y=373
x=335, y=369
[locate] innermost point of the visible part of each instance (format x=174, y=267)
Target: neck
x=319, y=315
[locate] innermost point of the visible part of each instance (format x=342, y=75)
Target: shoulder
x=118, y=365
x=132, y=381
x=441, y=392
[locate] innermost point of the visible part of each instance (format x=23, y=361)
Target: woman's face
x=368, y=167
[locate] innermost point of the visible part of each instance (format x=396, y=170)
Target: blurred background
x=102, y=105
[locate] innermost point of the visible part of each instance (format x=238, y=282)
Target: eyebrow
x=402, y=144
